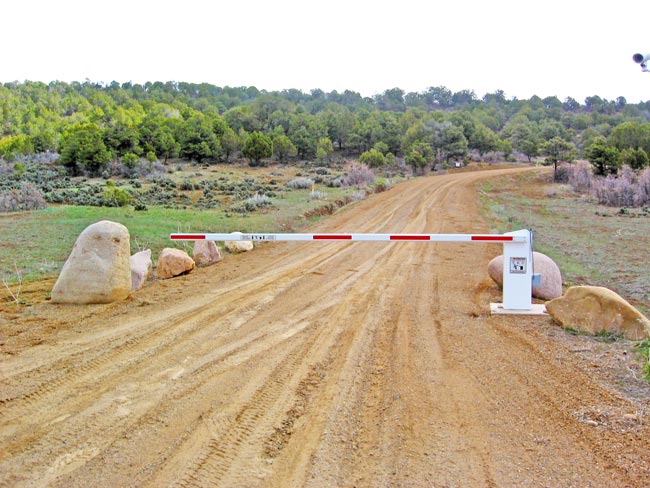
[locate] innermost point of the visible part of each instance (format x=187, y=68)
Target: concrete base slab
x=536, y=309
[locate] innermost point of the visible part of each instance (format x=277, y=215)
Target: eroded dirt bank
x=316, y=365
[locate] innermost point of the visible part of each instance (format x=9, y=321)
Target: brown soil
x=318, y=365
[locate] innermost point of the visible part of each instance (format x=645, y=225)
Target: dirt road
x=316, y=365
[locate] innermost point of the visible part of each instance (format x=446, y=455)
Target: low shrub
x=25, y=197
x=616, y=191
x=381, y=184
x=358, y=174
x=335, y=182
x=317, y=195
x=642, y=193
x=581, y=177
x=301, y=183
x=627, y=189
x=113, y=196
x=186, y=185
x=253, y=203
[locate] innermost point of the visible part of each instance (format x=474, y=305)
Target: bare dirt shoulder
x=318, y=364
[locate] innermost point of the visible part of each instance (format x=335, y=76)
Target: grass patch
x=609, y=336
x=38, y=242
x=572, y=331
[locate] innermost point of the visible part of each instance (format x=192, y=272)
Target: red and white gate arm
x=238, y=236
x=517, y=253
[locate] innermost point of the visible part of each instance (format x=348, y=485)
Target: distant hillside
x=89, y=124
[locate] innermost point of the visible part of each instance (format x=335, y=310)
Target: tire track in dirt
x=108, y=351
x=229, y=356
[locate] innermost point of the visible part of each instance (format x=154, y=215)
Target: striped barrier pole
x=517, y=253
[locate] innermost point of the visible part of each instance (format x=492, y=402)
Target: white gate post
x=518, y=272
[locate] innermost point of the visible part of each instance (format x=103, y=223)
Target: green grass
x=38, y=243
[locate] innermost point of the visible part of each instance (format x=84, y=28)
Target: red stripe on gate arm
x=492, y=238
x=326, y=237
x=409, y=238
x=188, y=237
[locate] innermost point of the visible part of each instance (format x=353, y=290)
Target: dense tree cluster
x=91, y=124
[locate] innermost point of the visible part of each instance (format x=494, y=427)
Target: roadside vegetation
x=183, y=198
x=592, y=241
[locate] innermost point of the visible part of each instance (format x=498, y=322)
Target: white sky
x=544, y=48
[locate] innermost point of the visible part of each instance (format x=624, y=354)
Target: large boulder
x=595, y=309
x=206, y=253
x=551, y=286
x=238, y=246
x=98, y=269
x=140, y=268
x=173, y=262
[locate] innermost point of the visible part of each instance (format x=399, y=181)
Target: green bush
x=372, y=158
x=130, y=160
x=186, y=185
x=19, y=169
x=113, y=196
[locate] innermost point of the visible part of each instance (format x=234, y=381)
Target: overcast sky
x=544, y=48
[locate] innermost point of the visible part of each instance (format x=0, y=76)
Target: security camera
x=642, y=60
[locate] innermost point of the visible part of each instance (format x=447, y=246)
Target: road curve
x=314, y=365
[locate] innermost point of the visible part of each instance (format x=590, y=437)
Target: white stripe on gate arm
x=517, y=255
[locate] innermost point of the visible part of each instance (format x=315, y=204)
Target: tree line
x=91, y=124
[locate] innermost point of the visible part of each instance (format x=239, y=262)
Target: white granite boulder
x=238, y=246
x=206, y=253
x=594, y=309
x=98, y=268
x=551, y=286
x=173, y=262
x=141, y=266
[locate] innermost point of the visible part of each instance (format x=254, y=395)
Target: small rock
x=140, y=268
x=206, y=253
x=173, y=262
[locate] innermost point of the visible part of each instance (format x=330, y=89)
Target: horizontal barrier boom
x=517, y=254
x=236, y=236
